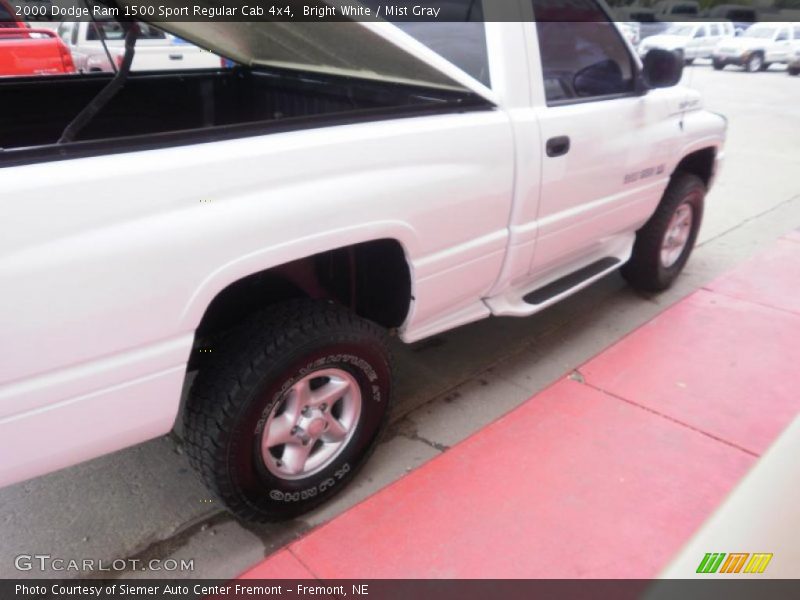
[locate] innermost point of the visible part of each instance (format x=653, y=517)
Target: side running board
x=521, y=303
x=573, y=280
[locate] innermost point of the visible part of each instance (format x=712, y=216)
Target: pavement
x=761, y=515
x=608, y=472
x=145, y=502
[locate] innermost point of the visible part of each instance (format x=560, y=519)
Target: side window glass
x=112, y=31
x=63, y=31
x=797, y=32
x=582, y=52
x=783, y=35
x=701, y=32
x=714, y=30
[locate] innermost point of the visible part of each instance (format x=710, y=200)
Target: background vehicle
x=793, y=68
x=757, y=48
x=256, y=233
x=649, y=24
x=25, y=51
x=676, y=8
x=155, y=49
x=692, y=40
x=742, y=17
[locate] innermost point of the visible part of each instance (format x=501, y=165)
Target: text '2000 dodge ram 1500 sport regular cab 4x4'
x=344, y=182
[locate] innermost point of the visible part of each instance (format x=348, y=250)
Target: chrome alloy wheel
x=677, y=236
x=311, y=424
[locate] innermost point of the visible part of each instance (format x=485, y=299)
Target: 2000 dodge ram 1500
x=266, y=227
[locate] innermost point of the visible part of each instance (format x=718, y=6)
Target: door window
x=64, y=31
x=582, y=52
x=112, y=30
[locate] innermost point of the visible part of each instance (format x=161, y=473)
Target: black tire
x=688, y=61
x=755, y=62
x=645, y=270
x=232, y=398
x=718, y=65
x=793, y=71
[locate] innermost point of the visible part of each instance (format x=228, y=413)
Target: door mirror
x=602, y=78
x=662, y=68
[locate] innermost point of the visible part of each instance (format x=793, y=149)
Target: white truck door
x=696, y=44
x=74, y=32
x=605, y=143
x=714, y=31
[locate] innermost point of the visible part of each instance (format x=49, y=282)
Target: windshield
x=760, y=32
x=680, y=30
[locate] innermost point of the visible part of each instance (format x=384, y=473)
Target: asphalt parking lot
x=145, y=502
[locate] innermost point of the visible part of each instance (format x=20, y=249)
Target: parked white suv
x=760, y=46
x=691, y=40
x=253, y=236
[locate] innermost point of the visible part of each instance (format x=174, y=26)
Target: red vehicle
x=25, y=51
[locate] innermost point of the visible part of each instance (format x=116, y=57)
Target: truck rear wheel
x=718, y=65
x=290, y=409
x=664, y=243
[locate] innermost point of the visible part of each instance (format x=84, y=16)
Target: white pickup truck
x=248, y=238
x=98, y=46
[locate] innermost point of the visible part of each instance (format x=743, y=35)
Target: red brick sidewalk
x=602, y=478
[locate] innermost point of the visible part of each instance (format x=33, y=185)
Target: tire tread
x=642, y=270
x=217, y=393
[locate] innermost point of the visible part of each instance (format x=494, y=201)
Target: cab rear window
x=458, y=35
